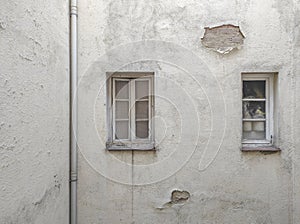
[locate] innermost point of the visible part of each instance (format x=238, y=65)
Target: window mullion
x=254, y=100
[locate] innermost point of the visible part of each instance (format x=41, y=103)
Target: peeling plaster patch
x=177, y=197
x=223, y=39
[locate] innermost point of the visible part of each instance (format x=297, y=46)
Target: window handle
x=271, y=139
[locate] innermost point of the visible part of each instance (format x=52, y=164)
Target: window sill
x=260, y=149
x=130, y=147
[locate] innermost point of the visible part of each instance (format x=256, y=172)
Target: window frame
x=269, y=108
x=132, y=143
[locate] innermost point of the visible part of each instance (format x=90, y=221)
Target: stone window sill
x=260, y=149
x=130, y=146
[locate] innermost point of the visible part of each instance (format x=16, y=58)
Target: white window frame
x=269, y=132
x=132, y=143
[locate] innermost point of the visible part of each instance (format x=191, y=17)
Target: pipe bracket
x=73, y=10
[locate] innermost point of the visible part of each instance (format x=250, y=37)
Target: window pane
x=141, y=110
x=254, y=130
x=141, y=89
x=122, y=109
x=141, y=129
x=247, y=126
x=121, y=130
x=254, y=126
x=254, y=110
x=258, y=126
x=254, y=89
x=122, y=89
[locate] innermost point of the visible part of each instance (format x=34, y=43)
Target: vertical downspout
x=73, y=111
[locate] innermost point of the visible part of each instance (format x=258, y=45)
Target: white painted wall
x=34, y=108
x=230, y=186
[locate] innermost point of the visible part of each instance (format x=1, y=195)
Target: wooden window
x=131, y=108
x=258, y=109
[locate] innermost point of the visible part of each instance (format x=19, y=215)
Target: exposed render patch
x=223, y=39
x=177, y=197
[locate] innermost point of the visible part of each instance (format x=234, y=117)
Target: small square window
x=130, y=110
x=258, y=109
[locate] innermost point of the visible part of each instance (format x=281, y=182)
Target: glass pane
x=122, y=109
x=141, y=129
x=253, y=126
x=141, y=89
x=254, y=110
x=254, y=130
x=247, y=126
x=121, y=130
x=141, y=110
x=254, y=89
x=258, y=126
x=122, y=89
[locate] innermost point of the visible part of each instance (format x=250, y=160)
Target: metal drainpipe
x=73, y=111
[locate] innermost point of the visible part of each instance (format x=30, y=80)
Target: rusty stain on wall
x=223, y=39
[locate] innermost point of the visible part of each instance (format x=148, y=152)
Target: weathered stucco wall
x=34, y=112
x=296, y=132
x=198, y=113
x=225, y=184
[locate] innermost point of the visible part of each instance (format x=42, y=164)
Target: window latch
x=271, y=139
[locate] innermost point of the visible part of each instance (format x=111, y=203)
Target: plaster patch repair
x=177, y=197
x=223, y=39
